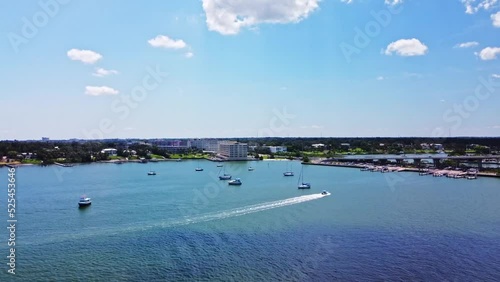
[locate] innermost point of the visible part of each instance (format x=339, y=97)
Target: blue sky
x=232, y=68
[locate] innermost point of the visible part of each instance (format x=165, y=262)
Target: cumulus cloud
x=495, y=18
x=228, y=17
x=163, y=41
x=407, y=48
x=467, y=44
x=189, y=55
x=495, y=75
x=85, y=56
x=100, y=90
x=489, y=53
x=380, y=78
x=100, y=72
x=472, y=6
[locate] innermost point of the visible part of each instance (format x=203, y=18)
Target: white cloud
x=100, y=72
x=387, y=2
x=100, y=90
x=496, y=19
x=85, y=56
x=467, y=44
x=166, y=42
x=228, y=17
x=495, y=75
x=472, y=6
x=393, y=2
x=189, y=55
x=407, y=48
x=380, y=78
x=489, y=53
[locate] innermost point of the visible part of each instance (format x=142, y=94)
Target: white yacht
x=84, y=201
x=236, y=181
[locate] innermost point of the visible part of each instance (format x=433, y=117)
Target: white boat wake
x=185, y=221
x=244, y=210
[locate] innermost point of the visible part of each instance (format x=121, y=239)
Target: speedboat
x=288, y=173
x=325, y=193
x=305, y=186
x=152, y=172
x=236, y=181
x=220, y=165
x=250, y=169
x=84, y=201
x=199, y=169
x=225, y=177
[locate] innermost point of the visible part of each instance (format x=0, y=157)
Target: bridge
x=417, y=159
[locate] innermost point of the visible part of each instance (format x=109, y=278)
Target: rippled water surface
x=182, y=225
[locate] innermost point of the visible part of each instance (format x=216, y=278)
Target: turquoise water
x=182, y=225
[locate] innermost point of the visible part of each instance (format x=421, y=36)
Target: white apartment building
x=232, y=150
x=210, y=145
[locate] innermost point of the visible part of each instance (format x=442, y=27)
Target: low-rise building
x=277, y=149
x=208, y=145
x=233, y=151
x=174, y=146
x=346, y=146
x=109, y=151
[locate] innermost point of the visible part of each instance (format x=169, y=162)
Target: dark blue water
x=182, y=225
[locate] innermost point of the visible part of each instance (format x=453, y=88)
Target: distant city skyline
x=236, y=69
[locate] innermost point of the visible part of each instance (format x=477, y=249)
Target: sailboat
x=301, y=183
x=84, y=200
x=288, y=172
x=198, y=168
x=224, y=176
x=151, y=172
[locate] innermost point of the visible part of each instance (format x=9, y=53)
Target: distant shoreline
x=396, y=168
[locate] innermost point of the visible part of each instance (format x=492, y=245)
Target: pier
x=418, y=159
